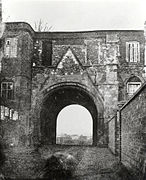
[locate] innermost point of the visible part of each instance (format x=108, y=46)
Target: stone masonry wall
x=100, y=58
x=112, y=134
x=103, y=55
x=100, y=55
x=133, y=134
x=18, y=70
x=127, y=69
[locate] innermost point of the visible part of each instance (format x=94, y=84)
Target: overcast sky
x=76, y=15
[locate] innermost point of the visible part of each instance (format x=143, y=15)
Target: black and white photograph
x=73, y=89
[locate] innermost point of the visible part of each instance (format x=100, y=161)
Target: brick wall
x=133, y=133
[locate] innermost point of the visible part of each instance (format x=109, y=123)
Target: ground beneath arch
x=93, y=163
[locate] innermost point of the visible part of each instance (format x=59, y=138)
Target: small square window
x=7, y=90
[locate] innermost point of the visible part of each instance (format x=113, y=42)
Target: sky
x=74, y=119
x=78, y=15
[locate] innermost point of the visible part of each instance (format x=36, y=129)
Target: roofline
x=91, y=31
x=134, y=96
x=20, y=22
x=78, y=31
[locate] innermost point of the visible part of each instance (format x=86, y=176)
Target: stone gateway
x=43, y=72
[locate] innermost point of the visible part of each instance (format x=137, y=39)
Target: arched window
x=133, y=84
x=7, y=90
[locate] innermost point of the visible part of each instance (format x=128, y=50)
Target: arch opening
x=74, y=126
x=58, y=98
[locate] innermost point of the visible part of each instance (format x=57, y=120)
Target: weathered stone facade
x=51, y=70
x=112, y=134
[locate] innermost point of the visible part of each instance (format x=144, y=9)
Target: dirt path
x=93, y=163
x=99, y=164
